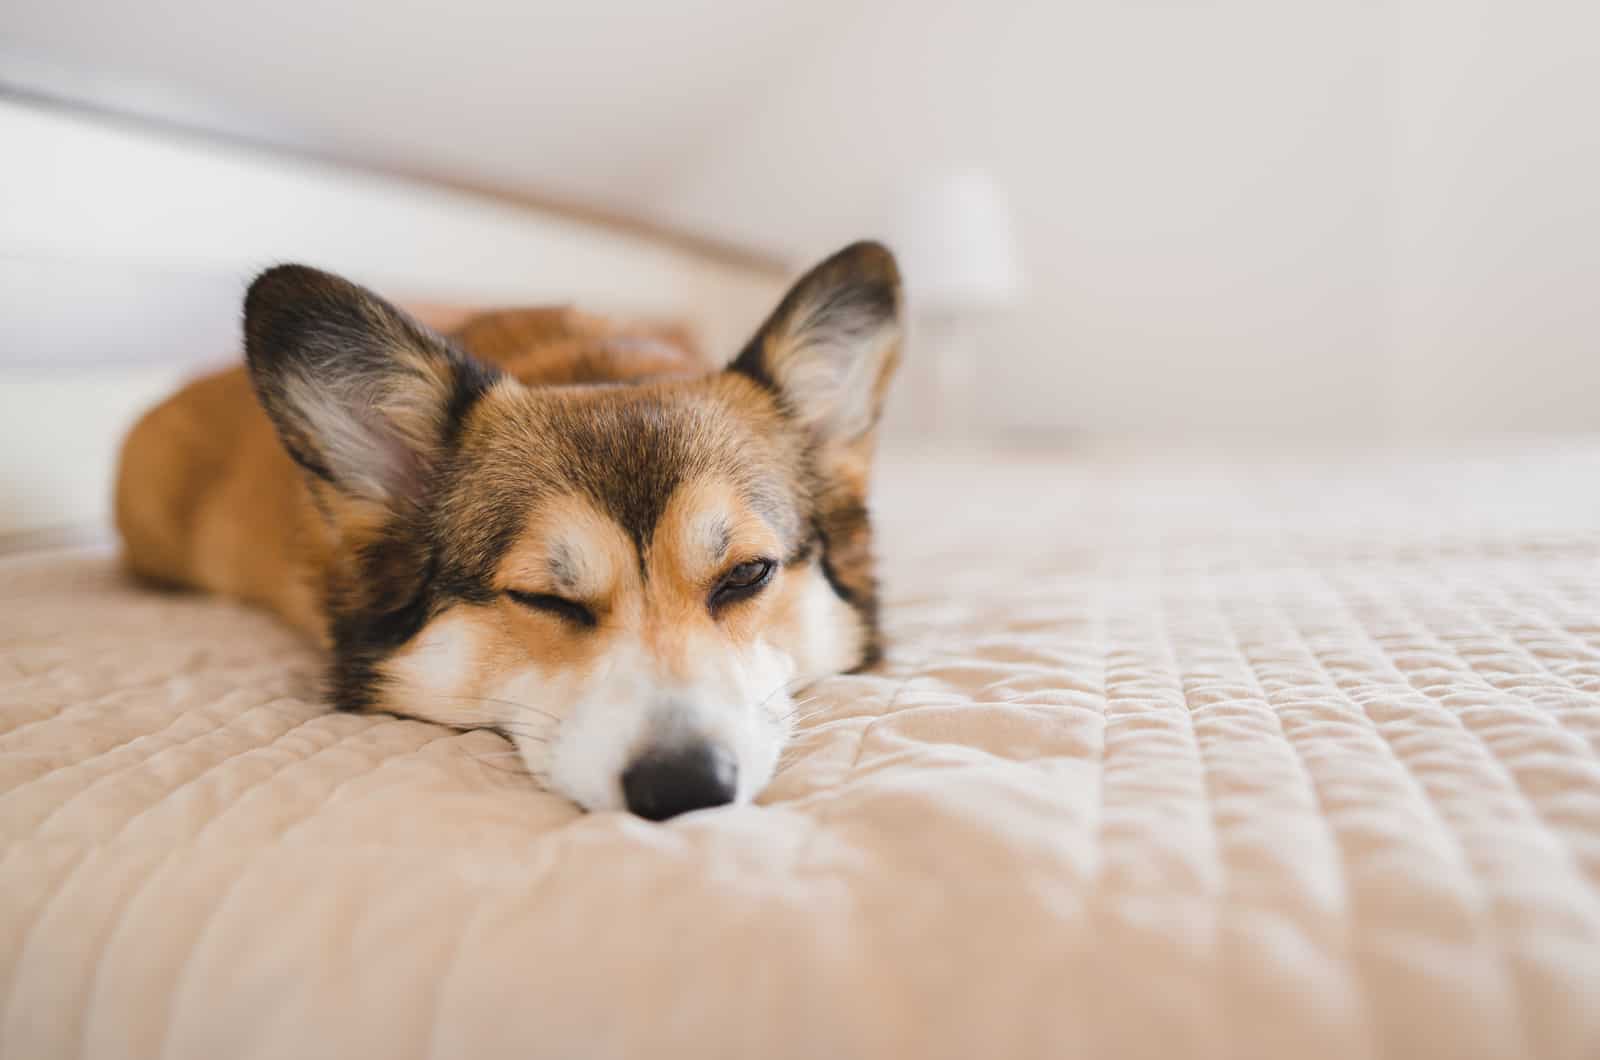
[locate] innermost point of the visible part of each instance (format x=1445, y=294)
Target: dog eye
x=560, y=606
x=742, y=581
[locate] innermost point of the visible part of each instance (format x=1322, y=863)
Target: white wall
x=124, y=257
x=1246, y=217
x=1239, y=216
x=1493, y=214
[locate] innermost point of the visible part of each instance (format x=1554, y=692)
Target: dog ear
x=363, y=397
x=830, y=348
x=827, y=354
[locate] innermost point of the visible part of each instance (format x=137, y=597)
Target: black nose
x=665, y=783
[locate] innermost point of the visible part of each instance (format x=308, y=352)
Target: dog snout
x=665, y=782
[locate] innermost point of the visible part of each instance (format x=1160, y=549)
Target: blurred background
x=1256, y=222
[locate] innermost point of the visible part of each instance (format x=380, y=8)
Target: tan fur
x=206, y=496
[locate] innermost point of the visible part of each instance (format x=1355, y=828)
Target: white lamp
x=952, y=233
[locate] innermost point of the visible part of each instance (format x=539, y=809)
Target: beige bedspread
x=1171, y=757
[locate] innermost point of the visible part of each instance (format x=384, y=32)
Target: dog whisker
x=542, y=735
x=782, y=687
x=507, y=703
x=799, y=706
x=799, y=724
x=538, y=726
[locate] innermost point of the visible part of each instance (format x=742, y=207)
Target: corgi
x=621, y=557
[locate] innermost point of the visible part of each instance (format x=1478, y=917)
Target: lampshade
x=952, y=233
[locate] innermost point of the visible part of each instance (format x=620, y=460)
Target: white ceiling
x=600, y=102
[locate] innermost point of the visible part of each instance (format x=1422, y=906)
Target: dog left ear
x=364, y=398
x=831, y=347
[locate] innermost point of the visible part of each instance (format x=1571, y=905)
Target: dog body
x=575, y=533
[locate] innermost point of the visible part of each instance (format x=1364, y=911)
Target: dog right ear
x=362, y=396
x=830, y=348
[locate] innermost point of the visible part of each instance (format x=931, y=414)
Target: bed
x=1177, y=754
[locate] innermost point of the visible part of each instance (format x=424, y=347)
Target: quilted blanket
x=1170, y=756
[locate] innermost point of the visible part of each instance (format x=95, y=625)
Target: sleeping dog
x=544, y=524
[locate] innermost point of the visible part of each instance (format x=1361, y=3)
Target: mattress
x=1171, y=755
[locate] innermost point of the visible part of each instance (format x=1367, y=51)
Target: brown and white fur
x=543, y=524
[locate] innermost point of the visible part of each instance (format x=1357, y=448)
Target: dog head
x=629, y=580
